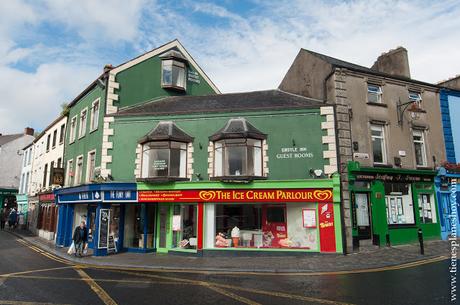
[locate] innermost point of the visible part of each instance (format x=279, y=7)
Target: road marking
x=43, y=252
x=104, y=296
x=33, y=271
x=270, y=293
x=8, y=302
x=230, y=294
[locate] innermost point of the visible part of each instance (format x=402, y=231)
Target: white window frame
x=178, y=64
x=78, y=172
x=94, y=115
x=384, y=146
x=73, y=129
x=88, y=176
x=421, y=133
x=415, y=97
x=379, y=93
x=69, y=180
x=82, y=125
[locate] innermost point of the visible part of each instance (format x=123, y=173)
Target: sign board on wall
x=57, y=176
x=326, y=227
x=256, y=195
x=309, y=218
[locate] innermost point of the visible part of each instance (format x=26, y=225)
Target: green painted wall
x=142, y=82
x=92, y=139
x=283, y=128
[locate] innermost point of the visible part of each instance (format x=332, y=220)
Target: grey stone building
x=386, y=124
x=11, y=156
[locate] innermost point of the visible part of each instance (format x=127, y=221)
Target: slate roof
x=230, y=102
x=238, y=128
x=351, y=66
x=166, y=131
x=8, y=138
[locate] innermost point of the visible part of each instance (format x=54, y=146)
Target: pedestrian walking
x=80, y=238
x=3, y=218
x=12, y=219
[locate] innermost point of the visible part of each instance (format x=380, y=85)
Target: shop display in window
x=265, y=226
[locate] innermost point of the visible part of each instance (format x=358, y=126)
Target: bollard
x=420, y=240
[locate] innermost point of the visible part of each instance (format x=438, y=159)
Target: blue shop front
x=447, y=184
x=112, y=215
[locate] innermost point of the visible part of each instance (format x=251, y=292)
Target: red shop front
x=47, y=216
x=300, y=220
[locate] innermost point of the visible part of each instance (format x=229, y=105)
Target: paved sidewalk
x=375, y=258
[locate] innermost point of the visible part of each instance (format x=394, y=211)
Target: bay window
x=173, y=70
x=164, y=153
x=164, y=159
x=238, y=150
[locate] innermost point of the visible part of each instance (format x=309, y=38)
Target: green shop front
x=389, y=205
x=8, y=198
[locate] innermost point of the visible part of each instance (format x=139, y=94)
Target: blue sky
x=51, y=49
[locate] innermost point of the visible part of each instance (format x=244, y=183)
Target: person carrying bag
x=80, y=238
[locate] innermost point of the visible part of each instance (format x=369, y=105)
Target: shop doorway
x=363, y=215
x=91, y=225
x=274, y=223
x=164, y=233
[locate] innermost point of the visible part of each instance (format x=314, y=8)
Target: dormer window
x=164, y=153
x=173, y=70
x=238, y=151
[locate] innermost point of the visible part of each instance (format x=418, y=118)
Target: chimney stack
x=107, y=68
x=29, y=131
x=394, y=62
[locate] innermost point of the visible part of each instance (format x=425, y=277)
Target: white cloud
x=33, y=99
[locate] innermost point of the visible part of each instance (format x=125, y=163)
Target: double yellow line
x=44, y=253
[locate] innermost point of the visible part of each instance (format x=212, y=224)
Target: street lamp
x=410, y=106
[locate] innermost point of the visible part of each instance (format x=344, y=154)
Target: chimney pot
x=107, y=68
x=29, y=131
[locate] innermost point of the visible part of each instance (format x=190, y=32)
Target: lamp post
x=402, y=107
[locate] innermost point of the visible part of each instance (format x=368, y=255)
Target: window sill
x=172, y=87
x=237, y=178
x=161, y=179
x=80, y=137
x=71, y=142
x=383, y=165
x=377, y=104
x=93, y=130
x=424, y=167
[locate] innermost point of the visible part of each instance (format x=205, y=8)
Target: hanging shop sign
x=326, y=227
x=403, y=178
x=57, y=176
x=257, y=195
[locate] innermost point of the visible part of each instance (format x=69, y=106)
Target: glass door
x=363, y=215
x=91, y=225
x=164, y=238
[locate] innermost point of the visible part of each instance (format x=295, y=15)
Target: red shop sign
x=326, y=227
x=46, y=197
x=257, y=195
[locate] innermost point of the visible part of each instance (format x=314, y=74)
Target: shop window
x=164, y=153
x=134, y=226
x=114, y=230
x=238, y=151
x=427, y=209
x=419, y=147
x=399, y=204
x=378, y=144
x=264, y=226
x=184, y=226
x=374, y=94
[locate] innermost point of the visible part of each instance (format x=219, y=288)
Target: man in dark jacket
x=3, y=218
x=80, y=237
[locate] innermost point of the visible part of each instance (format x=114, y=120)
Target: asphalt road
x=29, y=276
